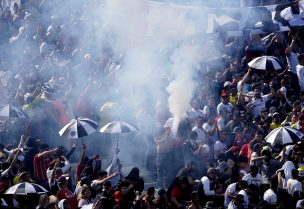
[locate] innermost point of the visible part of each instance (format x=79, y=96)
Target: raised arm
x=67, y=156
x=82, y=156
x=47, y=153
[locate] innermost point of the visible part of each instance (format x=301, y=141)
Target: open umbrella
x=294, y=20
x=25, y=189
x=9, y=111
x=118, y=127
x=78, y=128
x=265, y=63
x=284, y=136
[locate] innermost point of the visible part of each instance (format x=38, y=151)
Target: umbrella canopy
x=265, y=63
x=118, y=127
x=284, y=135
x=8, y=111
x=25, y=189
x=294, y=20
x=78, y=128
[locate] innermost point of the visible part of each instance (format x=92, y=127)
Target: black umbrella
x=8, y=111
x=265, y=63
x=25, y=189
x=78, y=128
x=284, y=135
x=118, y=127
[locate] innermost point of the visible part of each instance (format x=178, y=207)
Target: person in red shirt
x=149, y=198
x=41, y=162
x=177, y=193
x=65, y=193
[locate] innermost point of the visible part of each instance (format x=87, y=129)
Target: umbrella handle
x=117, y=142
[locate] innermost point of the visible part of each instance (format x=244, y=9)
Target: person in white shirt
x=293, y=184
x=300, y=71
x=210, y=128
x=246, y=198
x=300, y=204
x=248, y=191
x=253, y=177
x=224, y=103
x=232, y=191
x=237, y=202
x=223, y=120
x=270, y=196
x=291, y=55
x=220, y=145
x=258, y=101
x=194, y=113
x=201, y=135
x=208, y=182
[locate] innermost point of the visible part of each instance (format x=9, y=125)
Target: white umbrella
x=25, y=189
x=284, y=135
x=8, y=111
x=265, y=63
x=78, y=128
x=118, y=127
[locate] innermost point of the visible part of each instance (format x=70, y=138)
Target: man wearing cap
x=276, y=123
x=300, y=71
x=224, y=103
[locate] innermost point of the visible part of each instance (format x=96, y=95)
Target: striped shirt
x=40, y=167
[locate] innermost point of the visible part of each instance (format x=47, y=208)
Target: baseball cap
x=237, y=129
x=227, y=84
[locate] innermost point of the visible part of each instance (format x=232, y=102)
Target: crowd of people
x=217, y=156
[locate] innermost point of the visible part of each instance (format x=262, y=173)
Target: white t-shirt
x=245, y=89
x=208, y=128
x=258, y=105
x=253, y=155
x=293, y=185
x=206, y=185
x=246, y=198
x=231, y=205
x=219, y=147
x=230, y=189
x=201, y=135
x=221, y=123
x=257, y=180
x=222, y=106
x=287, y=168
x=300, y=74
x=299, y=203
x=292, y=61
x=270, y=197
